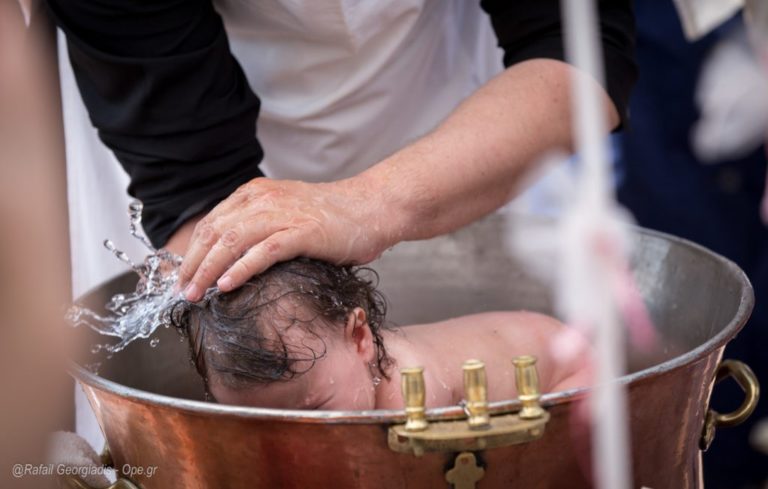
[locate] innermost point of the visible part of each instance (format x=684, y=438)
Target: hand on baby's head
x=287, y=335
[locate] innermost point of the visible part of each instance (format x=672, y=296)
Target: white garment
x=700, y=17
x=343, y=84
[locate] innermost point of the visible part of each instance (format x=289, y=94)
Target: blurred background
x=667, y=187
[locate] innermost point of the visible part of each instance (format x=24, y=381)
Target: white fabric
x=67, y=451
x=700, y=17
x=343, y=84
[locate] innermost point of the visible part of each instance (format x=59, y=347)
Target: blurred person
x=668, y=188
x=36, y=392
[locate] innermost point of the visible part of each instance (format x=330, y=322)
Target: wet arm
x=476, y=160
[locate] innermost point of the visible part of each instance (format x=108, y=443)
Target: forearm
x=477, y=159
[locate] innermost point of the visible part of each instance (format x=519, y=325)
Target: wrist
x=379, y=208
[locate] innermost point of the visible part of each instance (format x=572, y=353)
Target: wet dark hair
x=239, y=335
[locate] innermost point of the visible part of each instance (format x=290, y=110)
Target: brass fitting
x=480, y=432
x=527, y=381
x=414, y=395
x=476, y=393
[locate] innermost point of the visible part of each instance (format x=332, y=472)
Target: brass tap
x=527, y=380
x=414, y=395
x=476, y=393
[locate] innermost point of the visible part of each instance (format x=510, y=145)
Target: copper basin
x=149, y=401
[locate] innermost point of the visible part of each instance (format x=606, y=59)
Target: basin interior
x=692, y=296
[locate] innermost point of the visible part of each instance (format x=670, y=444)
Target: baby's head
x=304, y=334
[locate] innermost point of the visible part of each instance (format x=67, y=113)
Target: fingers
x=254, y=197
x=211, y=254
x=264, y=223
x=281, y=246
x=203, y=239
x=223, y=254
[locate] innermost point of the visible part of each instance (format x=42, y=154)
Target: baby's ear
x=357, y=332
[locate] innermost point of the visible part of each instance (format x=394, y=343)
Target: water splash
x=139, y=313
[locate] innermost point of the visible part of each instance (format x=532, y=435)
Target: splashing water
x=139, y=313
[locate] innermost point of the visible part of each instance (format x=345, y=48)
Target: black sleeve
x=168, y=97
x=528, y=29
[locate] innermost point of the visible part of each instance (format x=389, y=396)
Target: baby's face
x=340, y=380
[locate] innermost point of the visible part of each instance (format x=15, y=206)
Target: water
x=134, y=315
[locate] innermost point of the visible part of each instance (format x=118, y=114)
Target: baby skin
x=355, y=365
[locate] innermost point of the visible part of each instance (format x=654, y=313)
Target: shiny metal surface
x=527, y=382
x=476, y=394
x=465, y=472
x=149, y=400
x=747, y=380
x=414, y=394
x=479, y=430
x=459, y=435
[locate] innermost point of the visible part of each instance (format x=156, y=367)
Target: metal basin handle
x=745, y=377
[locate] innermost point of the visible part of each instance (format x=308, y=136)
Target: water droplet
x=134, y=208
x=139, y=313
x=93, y=367
x=134, y=212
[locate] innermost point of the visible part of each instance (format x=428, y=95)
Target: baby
x=306, y=334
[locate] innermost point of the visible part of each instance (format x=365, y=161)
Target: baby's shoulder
x=511, y=319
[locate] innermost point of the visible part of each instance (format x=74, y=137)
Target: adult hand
x=267, y=221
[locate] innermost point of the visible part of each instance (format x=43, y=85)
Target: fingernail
x=192, y=292
x=225, y=283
